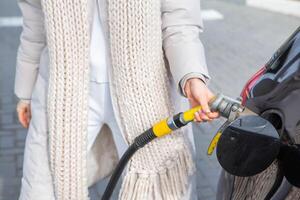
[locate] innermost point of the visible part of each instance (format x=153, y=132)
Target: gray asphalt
x=236, y=47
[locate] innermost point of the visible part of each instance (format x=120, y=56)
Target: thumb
x=203, y=101
x=204, y=105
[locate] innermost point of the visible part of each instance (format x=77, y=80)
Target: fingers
x=24, y=114
x=213, y=115
x=22, y=118
x=199, y=94
x=200, y=116
x=202, y=100
x=197, y=117
x=205, y=113
x=204, y=116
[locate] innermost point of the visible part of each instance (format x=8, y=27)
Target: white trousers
x=101, y=112
x=37, y=180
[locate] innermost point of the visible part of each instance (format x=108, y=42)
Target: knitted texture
x=68, y=42
x=255, y=187
x=139, y=78
x=160, y=169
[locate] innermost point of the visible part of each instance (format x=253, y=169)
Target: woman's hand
x=24, y=113
x=198, y=94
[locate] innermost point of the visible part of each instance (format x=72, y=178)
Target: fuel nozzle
x=226, y=106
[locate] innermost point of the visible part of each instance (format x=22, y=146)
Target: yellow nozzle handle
x=190, y=114
x=163, y=128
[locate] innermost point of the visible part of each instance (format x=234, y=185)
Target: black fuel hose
x=118, y=171
x=138, y=143
x=165, y=127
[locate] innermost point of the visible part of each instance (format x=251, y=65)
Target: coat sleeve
x=32, y=42
x=181, y=28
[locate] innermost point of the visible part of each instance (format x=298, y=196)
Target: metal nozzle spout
x=226, y=106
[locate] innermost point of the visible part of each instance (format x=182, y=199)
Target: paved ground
x=235, y=48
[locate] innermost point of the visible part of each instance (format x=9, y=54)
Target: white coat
x=183, y=49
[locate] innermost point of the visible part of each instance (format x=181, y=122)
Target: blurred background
x=239, y=37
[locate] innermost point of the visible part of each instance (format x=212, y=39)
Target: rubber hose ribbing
x=139, y=142
x=118, y=171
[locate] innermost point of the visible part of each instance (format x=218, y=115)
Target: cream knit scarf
x=160, y=169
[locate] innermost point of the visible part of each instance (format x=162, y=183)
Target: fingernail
x=207, y=111
x=202, y=114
